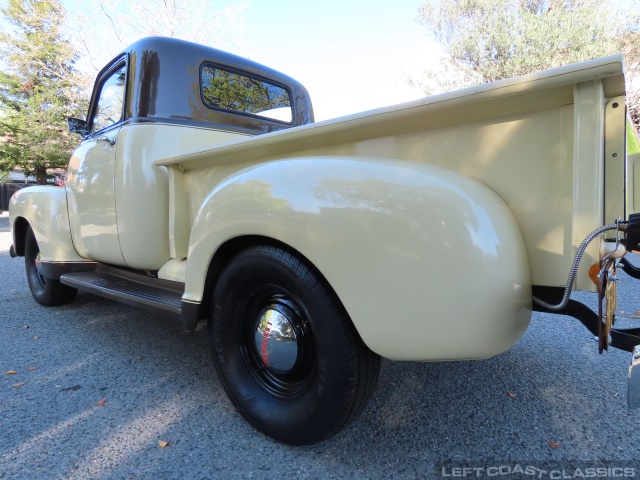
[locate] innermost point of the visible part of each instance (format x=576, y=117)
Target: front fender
x=45, y=209
x=429, y=264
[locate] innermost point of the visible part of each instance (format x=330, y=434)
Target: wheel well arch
x=20, y=226
x=231, y=247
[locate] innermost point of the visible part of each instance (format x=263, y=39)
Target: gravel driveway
x=97, y=385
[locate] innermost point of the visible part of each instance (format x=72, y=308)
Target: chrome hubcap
x=38, y=262
x=275, y=338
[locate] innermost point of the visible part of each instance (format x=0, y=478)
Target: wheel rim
x=42, y=280
x=277, y=344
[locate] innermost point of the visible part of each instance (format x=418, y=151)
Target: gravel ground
x=98, y=385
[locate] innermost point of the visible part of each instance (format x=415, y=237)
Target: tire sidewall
x=31, y=250
x=319, y=407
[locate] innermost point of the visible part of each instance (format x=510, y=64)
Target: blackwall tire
x=45, y=291
x=285, y=349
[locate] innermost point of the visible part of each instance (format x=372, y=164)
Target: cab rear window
x=239, y=93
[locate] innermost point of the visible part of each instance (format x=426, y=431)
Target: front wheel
x=45, y=291
x=285, y=349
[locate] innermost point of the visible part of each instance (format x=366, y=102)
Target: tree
x=122, y=22
x=488, y=40
x=39, y=89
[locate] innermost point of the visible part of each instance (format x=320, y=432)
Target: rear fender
x=429, y=264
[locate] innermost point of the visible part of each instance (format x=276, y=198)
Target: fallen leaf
x=511, y=395
x=553, y=444
x=11, y=372
x=31, y=369
x=163, y=444
x=101, y=402
x=18, y=384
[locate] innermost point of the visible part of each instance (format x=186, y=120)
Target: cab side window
x=110, y=105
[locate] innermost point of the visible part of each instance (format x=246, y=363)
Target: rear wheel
x=45, y=291
x=285, y=349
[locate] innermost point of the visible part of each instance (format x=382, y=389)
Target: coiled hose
x=574, y=268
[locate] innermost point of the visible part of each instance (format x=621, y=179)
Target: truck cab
x=156, y=99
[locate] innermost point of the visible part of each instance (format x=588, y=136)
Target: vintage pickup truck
x=427, y=231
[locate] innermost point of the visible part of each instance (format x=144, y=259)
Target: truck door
x=90, y=177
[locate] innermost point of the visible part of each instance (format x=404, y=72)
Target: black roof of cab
x=163, y=85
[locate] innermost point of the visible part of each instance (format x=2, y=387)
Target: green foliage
x=489, y=40
x=38, y=89
x=503, y=38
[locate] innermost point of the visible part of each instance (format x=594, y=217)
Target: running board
x=150, y=293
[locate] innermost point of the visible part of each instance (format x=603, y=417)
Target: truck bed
x=539, y=141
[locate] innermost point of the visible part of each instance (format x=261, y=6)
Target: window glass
x=233, y=91
x=111, y=101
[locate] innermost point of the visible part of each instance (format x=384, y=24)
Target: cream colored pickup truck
x=428, y=231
